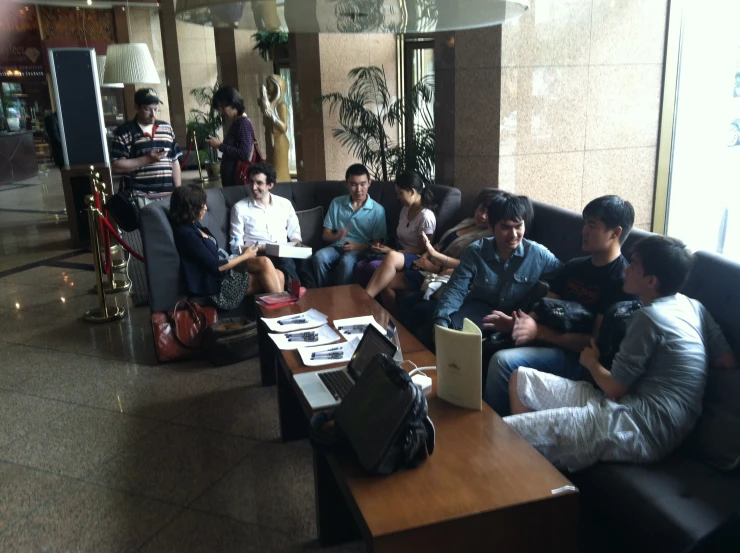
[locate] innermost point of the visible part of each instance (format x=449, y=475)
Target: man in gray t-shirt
x=649, y=402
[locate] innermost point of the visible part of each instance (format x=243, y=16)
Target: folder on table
x=459, y=358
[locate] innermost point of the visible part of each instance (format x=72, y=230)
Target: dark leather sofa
x=668, y=506
x=660, y=508
x=310, y=200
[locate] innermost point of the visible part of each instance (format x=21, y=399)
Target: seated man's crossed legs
x=549, y=360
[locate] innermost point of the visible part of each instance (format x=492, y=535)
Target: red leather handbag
x=180, y=333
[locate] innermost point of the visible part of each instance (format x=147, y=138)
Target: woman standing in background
x=238, y=144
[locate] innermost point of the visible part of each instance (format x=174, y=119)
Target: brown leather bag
x=179, y=334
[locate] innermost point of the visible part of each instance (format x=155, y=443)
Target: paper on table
x=363, y=321
x=326, y=335
x=347, y=349
x=312, y=317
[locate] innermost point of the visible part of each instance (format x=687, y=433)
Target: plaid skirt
x=233, y=290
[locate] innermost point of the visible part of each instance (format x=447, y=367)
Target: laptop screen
x=372, y=343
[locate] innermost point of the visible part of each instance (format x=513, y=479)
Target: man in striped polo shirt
x=146, y=148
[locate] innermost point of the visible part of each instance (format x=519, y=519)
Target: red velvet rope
x=112, y=231
x=103, y=226
x=187, y=156
x=108, y=263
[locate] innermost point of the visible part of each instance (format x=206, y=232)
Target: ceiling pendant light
x=353, y=16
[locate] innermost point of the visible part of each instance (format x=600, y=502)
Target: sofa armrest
x=162, y=260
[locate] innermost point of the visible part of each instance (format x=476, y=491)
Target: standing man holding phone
x=145, y=149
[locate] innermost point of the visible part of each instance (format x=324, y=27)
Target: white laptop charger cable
x=419, y=378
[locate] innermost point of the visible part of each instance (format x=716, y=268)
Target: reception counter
x=17, y=157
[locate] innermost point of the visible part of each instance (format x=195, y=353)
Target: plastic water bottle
x=236, y=248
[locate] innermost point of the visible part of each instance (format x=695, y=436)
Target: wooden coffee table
x=483, y=489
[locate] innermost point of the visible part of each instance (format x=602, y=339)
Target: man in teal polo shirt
x=352, y=224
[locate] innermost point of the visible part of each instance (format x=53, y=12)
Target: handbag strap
x=198, y=316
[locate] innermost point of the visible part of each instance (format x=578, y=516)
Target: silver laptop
x=328, y=387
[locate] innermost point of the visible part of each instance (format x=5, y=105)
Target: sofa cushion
x=662, y=507
x=311, y=222
x=714, y=282
x=216, y=218
x=716, y=438
x=559, y=230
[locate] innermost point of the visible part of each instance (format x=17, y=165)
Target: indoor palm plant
x=205, y=122
x=368, y=112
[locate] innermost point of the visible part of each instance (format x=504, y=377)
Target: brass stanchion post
x=103, y=313
x=113, y=285
x=197, y=156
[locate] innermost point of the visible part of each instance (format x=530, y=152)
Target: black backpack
x=613, y=328
x=383, y=419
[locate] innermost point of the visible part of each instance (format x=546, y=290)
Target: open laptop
x=327, y=388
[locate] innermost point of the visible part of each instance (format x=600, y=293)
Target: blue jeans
x=550, y=360
x=333, y=262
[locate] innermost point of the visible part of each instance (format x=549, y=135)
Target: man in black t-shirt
x=594, y=281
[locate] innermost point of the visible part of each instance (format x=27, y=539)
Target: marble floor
x=104, y=450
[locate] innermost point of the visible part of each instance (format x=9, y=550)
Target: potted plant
x=271, y=45
x=366, y=113
x=205, y=122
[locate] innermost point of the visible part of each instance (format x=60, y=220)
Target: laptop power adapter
x=422, y=381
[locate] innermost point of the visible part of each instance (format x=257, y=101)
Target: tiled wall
x=580, y=102
x=340, y=53
x=198, y=67
x=145, y=28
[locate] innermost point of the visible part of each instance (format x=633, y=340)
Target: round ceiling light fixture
x=351, y=16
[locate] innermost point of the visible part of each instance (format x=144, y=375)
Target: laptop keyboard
x=337, y=382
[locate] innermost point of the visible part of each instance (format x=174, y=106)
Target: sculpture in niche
x=275, y=112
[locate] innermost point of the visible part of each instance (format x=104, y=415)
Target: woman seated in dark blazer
x=206, y=271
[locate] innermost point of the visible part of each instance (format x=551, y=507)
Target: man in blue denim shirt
x=497, y=272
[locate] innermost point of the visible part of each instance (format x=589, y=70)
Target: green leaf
x=366, y=112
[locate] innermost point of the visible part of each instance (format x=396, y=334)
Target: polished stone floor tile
x=75, y=442
x=22, y=490
x=20, y=363
x=18, y=326
x=76, y=306
x=155, y=392
x=89, y=518
x=174, y=463
x=21, y=415
x=45, y=299
x=272, y=487
x=55, y=277
x=239, y=409
x=115, y=340
x=195, y=532
x=247, y=371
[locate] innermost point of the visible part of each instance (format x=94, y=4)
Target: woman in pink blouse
x=416, y=222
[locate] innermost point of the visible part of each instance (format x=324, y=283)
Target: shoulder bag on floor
x=383, y=419
x=232, y=340
x=180, y=334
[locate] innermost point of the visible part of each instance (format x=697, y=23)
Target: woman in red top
x=239, y=140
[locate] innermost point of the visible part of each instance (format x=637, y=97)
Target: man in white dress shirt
x=265, y=218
